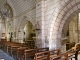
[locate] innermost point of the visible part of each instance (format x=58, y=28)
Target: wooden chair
x=29, y=54
x=42, y=49
x=74, y=55
x=19, y=52
x=78, y=46
x=42, y=56
x=57, y=55
x=65, y=56
x=53, y=52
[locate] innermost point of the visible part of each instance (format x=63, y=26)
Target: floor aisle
x=5, y=56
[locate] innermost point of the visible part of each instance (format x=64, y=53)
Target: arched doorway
x=26, y=33
x=29, y=31
x=29, y=35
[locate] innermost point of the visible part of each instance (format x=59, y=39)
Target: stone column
x=40, y=13
x=14, y=30
x=0, y=30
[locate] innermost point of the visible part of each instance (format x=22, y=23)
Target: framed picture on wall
x=3, y=34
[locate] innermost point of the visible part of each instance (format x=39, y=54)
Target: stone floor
x=5, y=56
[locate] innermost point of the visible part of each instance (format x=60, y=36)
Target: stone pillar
x=40, y=13
x=14, y=30
x=7, y=28
x=79, y=28
x=0, y=30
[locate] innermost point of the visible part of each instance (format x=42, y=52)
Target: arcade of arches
x=49, y=23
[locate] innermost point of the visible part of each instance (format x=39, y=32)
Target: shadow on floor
x=5, y=56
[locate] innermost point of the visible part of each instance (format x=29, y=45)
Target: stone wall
x=51, y=15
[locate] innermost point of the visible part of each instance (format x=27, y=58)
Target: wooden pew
x=16, y=47
x=3, y=45
x=20, y=51
x=29, y=54
x=63, y=56
x=42, y=55
x=74, y=54
x=36, y=50
x=13, y=46
x=30, y=43
x=9, y=47
x=77, y=46
x=42, y=49
x=55, y=52
x=45, y=55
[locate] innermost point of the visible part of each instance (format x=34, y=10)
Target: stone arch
x=22, y=23
x=67, y=17
x=61, y=20
x=12, y=7
x=13, y=14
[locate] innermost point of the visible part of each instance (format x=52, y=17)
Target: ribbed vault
x=63, y=19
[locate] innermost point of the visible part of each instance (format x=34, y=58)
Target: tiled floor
x=5, y=56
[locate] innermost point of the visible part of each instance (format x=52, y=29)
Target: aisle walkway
x=5, y=56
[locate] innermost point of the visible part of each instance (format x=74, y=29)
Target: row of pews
x=23, y=52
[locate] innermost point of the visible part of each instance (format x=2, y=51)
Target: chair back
x=76, y=54
x=42, y=49
x=42, y=55
x=29, y=53
x=57, y=52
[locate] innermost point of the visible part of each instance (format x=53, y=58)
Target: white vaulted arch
x=12, y=7
x=72, y=8
x=22, y=24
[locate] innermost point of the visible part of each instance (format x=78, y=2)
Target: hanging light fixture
x=4, y=12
